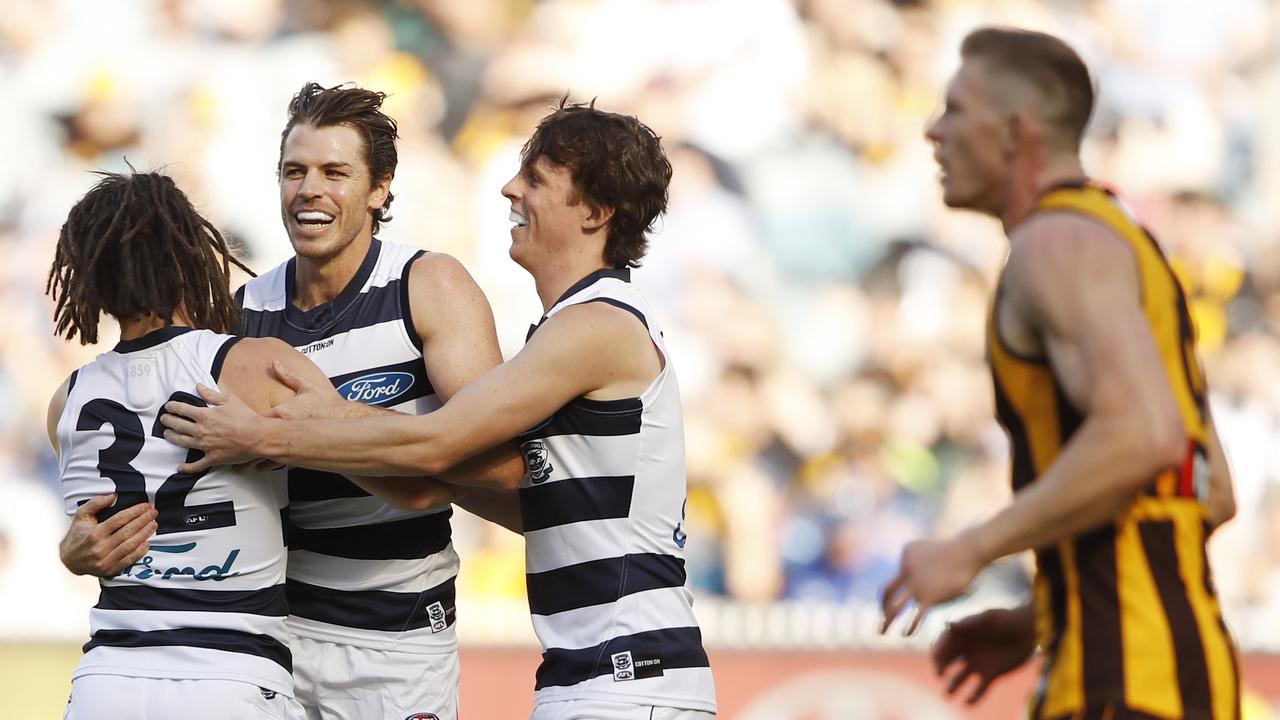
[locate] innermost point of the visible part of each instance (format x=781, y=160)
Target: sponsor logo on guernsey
x=376, y=388
x=308, y=349
x=147, y=569
x=635, y=666
x=435, y=613
x=535, y=458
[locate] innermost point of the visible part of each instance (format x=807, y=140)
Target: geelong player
x=594, y=401
x=195, y=628
x=1118, y=471
x=370, y=584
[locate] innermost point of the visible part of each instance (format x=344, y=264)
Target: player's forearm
x=414, y=493
x=1096, y=477
x=499, y=468
x=501, y=507
x=382, y=444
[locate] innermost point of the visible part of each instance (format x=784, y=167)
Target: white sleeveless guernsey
x=603, y=510
x=208, y=599
x=360, y=571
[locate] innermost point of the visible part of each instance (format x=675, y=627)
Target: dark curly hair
x=356, y=108
x=615, y=162
x=134, y=246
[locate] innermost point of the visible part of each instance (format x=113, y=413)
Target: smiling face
x=971, y=142
x=546, y=213
x=326, y=191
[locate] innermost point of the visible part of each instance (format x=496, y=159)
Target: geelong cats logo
x=535, y=458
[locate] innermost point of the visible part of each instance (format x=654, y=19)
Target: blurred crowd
x=825, y=313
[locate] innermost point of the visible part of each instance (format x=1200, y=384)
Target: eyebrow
x=529, y=169
x=325, y=166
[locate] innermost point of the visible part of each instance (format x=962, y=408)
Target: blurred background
x=825, y=312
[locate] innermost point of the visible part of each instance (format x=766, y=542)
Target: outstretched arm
x=579, y=350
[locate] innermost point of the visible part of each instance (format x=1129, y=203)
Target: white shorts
x=120, y=697
x=341, y=682
x=598, y=710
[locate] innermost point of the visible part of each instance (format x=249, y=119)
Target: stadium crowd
x=825, y=311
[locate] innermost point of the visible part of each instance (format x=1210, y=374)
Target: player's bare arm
x=1082, y=293
x=1222, y=496
x=1074, y=286
x=593, y=349
x=460, y=344
x=453, y=318
x=102, y=549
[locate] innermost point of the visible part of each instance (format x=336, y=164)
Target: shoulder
x=1061, y=236
x=1067, y=248
x=598, y=322
x=441, y=272
x=442, y=294
x=247, y=373
x=250, y=357
x=1067, y=264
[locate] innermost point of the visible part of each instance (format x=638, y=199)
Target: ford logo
x=376, y=388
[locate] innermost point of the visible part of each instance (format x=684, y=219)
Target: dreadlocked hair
x=134, y=246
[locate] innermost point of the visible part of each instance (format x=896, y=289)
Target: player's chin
x=952, y=197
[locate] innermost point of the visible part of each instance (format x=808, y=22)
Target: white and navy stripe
x=361, y=572
x=208, y=600
x=602, y=506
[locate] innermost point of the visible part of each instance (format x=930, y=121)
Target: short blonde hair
x=1048, y=64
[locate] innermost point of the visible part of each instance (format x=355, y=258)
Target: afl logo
x=376, y=388
x=423, y=716
x=535, y=458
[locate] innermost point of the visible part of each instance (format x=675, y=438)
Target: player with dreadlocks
x=165, y=256
x=192, y=623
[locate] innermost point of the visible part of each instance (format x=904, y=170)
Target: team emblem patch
x=435, y=613
x=622, y=666
x=535, y=458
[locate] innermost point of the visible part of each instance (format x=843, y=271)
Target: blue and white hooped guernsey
x=207, y=601
x=360, y=571
x=603, y=511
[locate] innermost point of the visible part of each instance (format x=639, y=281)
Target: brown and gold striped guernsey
x=1126, y=615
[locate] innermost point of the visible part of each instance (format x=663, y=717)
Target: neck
x=1029, y=184
x=320, y=280
x=134, y=328
x=552, y=281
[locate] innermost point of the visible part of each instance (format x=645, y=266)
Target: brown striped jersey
x=1127, y=616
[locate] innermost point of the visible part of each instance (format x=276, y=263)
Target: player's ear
x=595, y=217
x=1020, y=132
x=379, y=192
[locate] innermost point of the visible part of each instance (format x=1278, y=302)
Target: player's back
x=207, y=601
